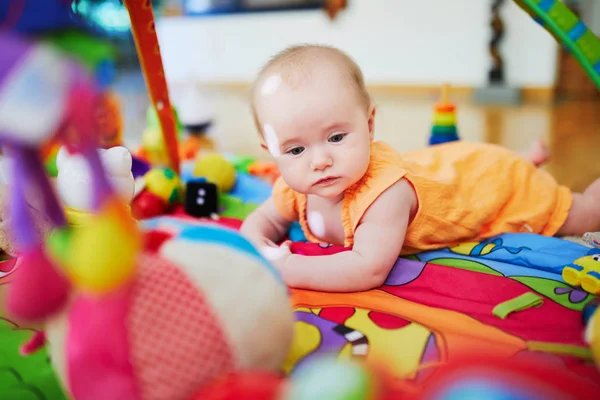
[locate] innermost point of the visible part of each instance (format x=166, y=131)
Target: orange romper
x=465, y=191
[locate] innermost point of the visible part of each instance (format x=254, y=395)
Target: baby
x=318, y=121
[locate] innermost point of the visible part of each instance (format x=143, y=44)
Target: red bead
x=147, y=205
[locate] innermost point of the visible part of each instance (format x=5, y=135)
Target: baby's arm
x=265, y=225
x=377, y=244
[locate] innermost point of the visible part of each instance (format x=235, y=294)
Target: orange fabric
x=460, y=332
x=466, y=192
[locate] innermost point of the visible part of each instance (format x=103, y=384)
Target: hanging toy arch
x=143, y=28
x=568, y=30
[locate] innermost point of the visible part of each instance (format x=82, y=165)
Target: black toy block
x=201, y=199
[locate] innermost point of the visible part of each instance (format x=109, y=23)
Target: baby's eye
x=337, y=137
x=296, y=151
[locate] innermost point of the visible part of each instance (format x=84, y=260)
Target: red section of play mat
x=476, y=294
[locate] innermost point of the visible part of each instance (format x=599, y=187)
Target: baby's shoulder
x=397, y=199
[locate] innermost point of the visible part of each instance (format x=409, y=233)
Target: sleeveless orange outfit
x=465, y=191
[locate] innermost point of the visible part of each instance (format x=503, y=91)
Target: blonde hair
x=298, y=59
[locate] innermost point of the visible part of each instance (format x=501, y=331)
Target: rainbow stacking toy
x=444, y=121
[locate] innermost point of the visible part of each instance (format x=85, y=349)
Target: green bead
x=444, y=130
x=563, y=17
x=58, y=242
x=51, y=168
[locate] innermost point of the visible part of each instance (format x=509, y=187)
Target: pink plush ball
x=203, y=303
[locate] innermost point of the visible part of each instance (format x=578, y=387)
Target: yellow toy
x=216, y=169
x=82, y=252
x=592, y=336
x=164, y=183
x=153, y=147
x=584, y=272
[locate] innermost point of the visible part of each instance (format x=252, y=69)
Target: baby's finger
x=270, y=243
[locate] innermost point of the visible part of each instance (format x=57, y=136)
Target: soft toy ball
x=216, y=169
x=202, y=303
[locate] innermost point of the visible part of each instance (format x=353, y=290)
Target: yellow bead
x=216, y=169
x=102, y=254
x=444, y=119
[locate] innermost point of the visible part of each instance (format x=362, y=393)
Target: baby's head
x=316, y=119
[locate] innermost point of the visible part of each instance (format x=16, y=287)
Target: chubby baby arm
x=377, y=244
x=265, y=226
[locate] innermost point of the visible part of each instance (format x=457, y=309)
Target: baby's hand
x=276, y=254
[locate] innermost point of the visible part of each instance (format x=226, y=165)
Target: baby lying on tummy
x=318, y=121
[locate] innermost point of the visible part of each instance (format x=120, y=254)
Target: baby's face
x=318, y=132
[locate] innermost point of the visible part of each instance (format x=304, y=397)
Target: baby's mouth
x=326, y=181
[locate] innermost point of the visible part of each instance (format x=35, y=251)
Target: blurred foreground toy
x=333, y=379
x=209, y=321
x=584, y=272
x=245, y=385
x=484, y=376
x=589, y=309
x=109, y=125
x=592, y=336
x=129, y=314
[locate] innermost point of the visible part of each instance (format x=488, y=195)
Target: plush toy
x=584, y=272
x=201, y=302
x=74, y=179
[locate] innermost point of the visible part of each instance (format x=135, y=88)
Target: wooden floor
x=571, y=129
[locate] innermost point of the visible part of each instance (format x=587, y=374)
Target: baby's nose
x=321, y=161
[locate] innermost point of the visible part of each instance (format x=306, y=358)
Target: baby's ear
x=263, y=144
x=371, y=121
